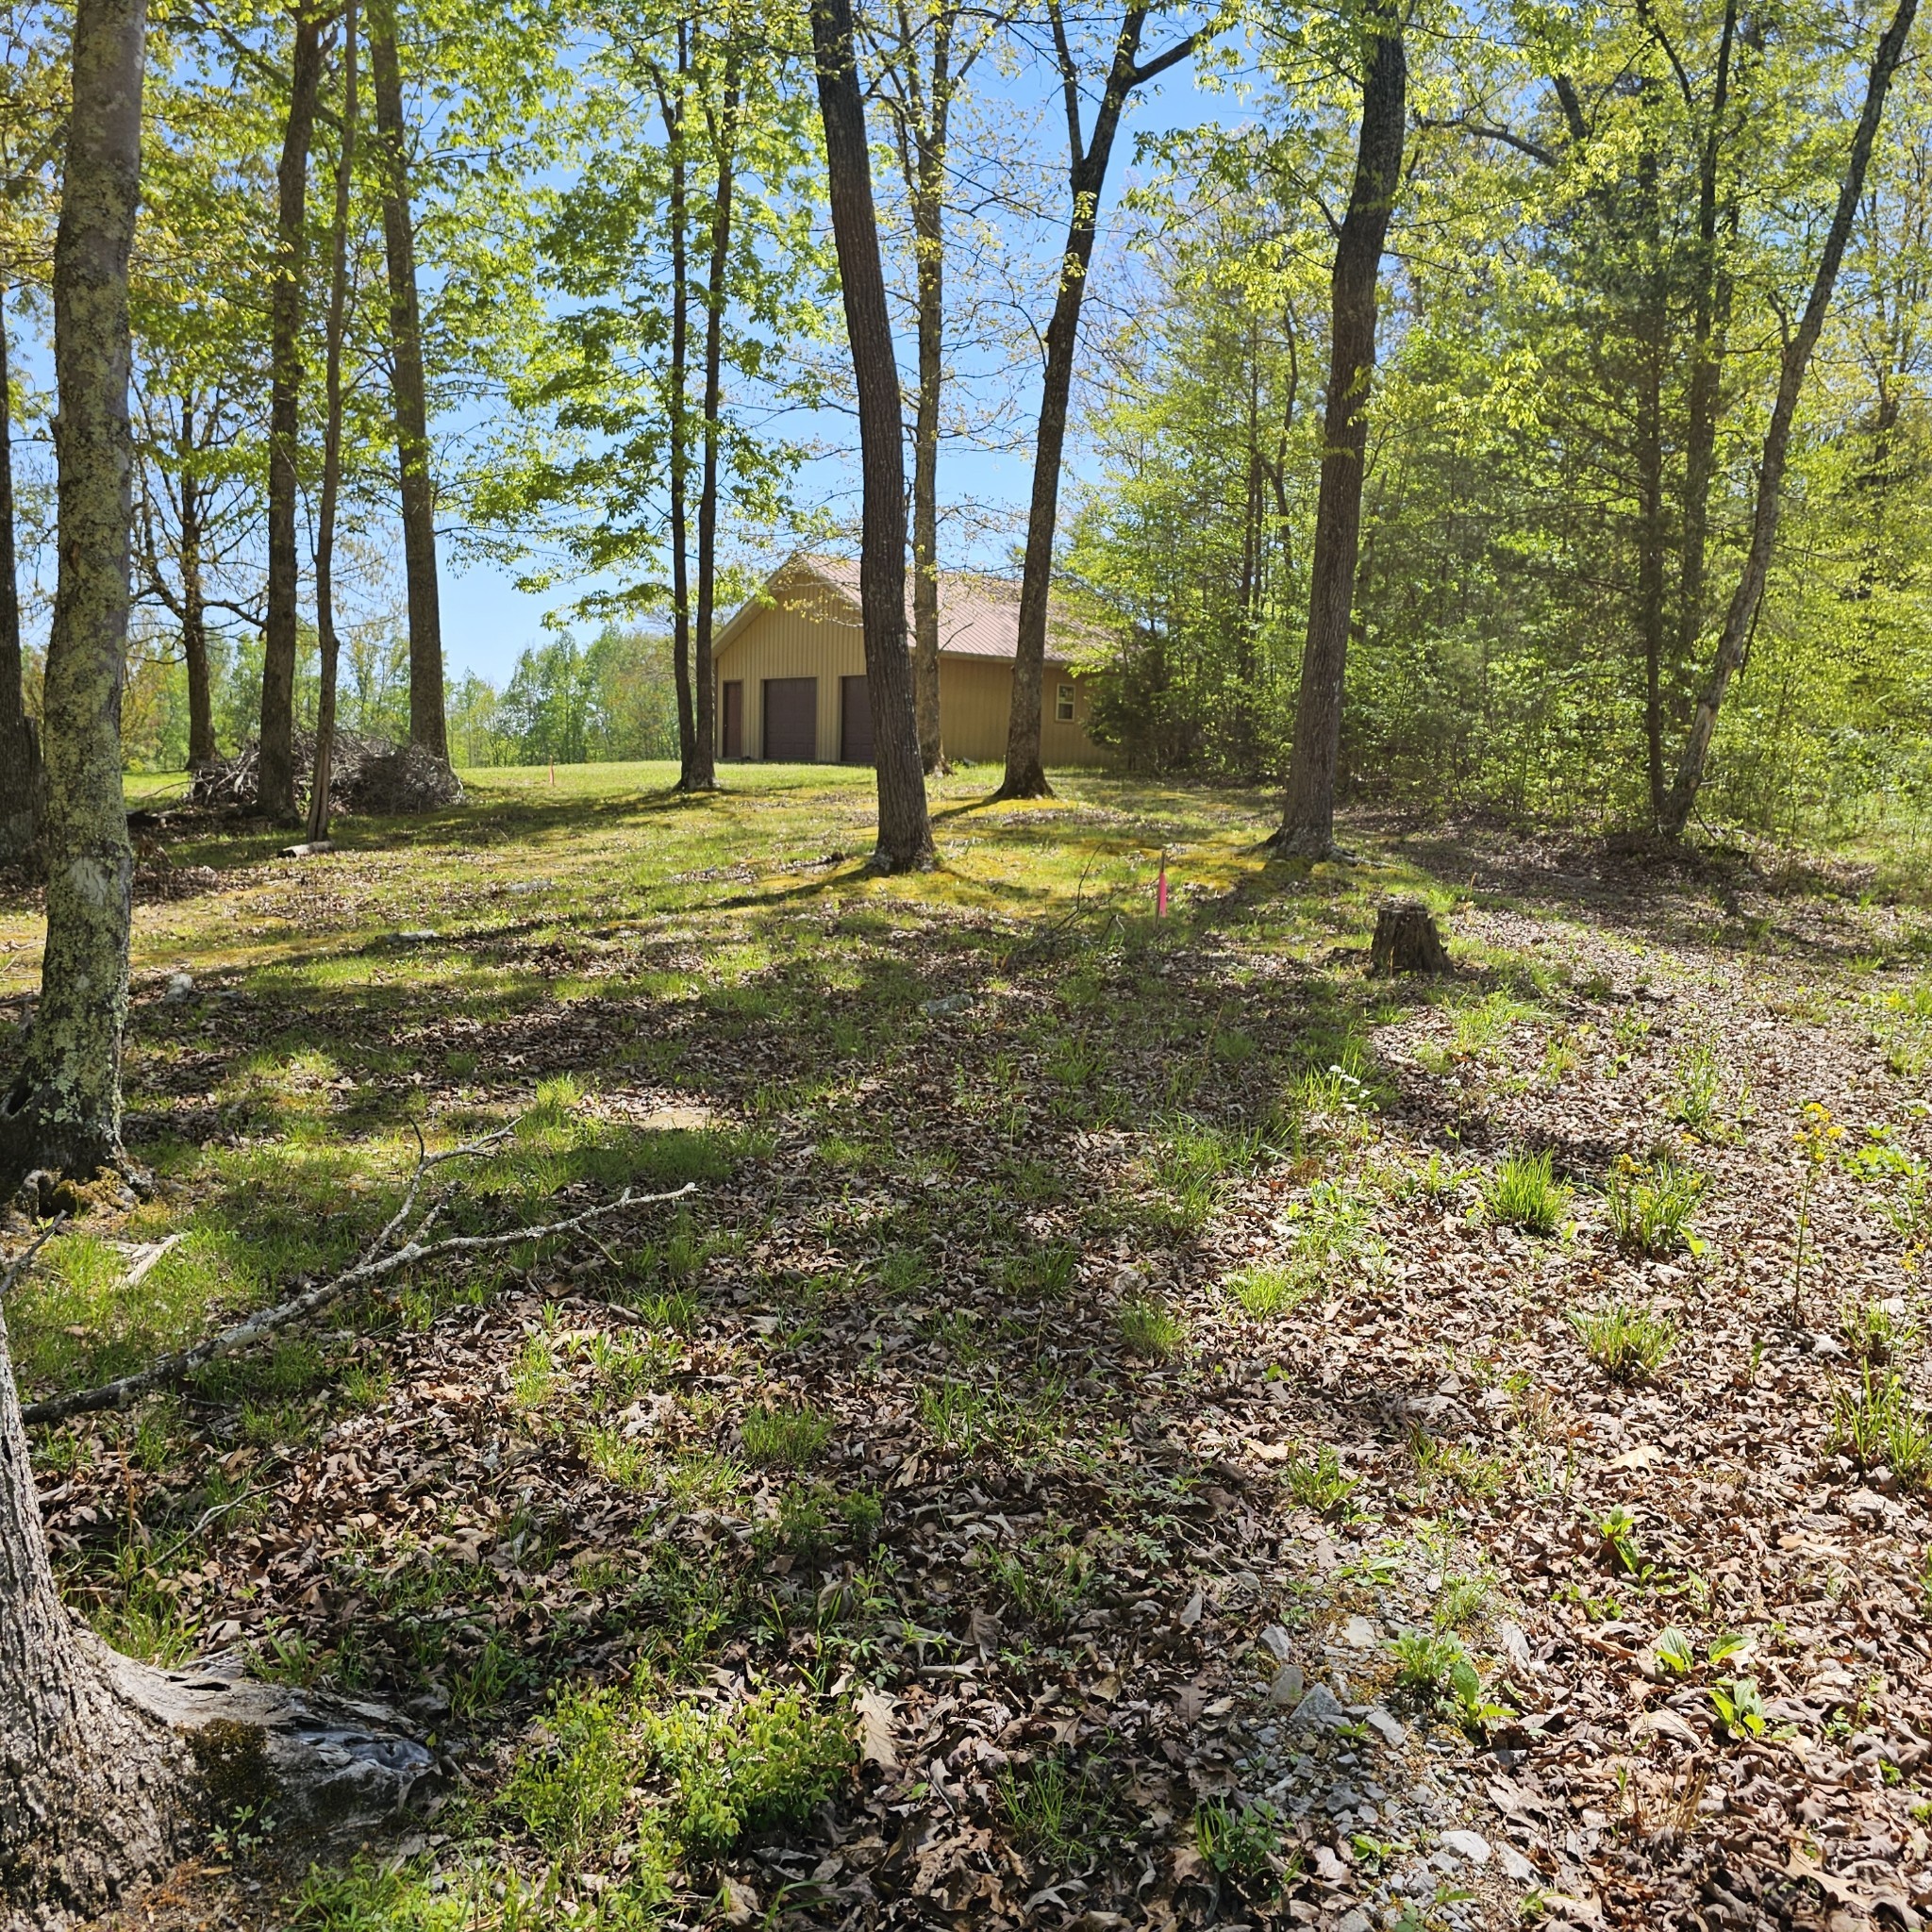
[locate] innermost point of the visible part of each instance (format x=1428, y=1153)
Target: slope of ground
x=1134, y=1423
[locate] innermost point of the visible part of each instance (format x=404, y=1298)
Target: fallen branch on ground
x=372, y=1266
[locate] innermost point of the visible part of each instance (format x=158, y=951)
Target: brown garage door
x=855, y=722
x=792, y=719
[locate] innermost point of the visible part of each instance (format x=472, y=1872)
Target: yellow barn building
x=790, y=671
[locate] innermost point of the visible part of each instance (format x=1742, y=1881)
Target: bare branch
x=173, y=1368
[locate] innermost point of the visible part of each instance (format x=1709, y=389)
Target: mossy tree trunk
x=63, y=1111
x=88, y=1784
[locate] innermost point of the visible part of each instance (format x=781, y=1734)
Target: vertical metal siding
x=815, y=633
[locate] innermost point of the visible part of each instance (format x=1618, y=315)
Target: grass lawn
x=1132, y=1418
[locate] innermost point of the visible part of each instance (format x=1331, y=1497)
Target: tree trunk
x=22, y=784
x=1653, y=323
x=275, y=778
x=1741, y=618
x=86, y=1800
x=1711, y=316
x=332, y=449
x=1025, y=778
x=704, y=773
x=1307, y=827
x=676, y=416
x=905, y=837
x=927, y=188
x=201, y=721
x=1406, y=940
x=428, y=719
x=65, y=1110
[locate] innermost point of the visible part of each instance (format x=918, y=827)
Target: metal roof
x=979, y=615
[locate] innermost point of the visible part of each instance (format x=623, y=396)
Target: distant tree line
x=612, y=699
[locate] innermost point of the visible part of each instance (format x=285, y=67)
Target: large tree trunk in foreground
x=103, y=1764
x=1740, y=619
x=428, y=719
x=86, y=1799
x=905, y=830
x=332, y=449
x=22, y=781
x=1308, y=826
x=65, y=1110
x=275, y=782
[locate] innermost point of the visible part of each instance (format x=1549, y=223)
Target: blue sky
x=487, y=620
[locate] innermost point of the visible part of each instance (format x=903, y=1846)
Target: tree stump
x=1405, y=941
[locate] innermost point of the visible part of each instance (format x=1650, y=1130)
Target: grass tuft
x=1523, y=1193
x=1627, y=1341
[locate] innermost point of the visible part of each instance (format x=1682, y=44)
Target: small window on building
x=1063, y=704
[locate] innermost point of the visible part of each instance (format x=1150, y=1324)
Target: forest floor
x=1135, y=1423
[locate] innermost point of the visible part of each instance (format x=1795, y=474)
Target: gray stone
x=1320, y=1706
x=1515, y=1865
x=1274, y=1640
x=1386, y=1726
x=1357, y=1921
x=180, y=987
x=1286, y=1687
x=1358, y=1634
x=1471, y=1845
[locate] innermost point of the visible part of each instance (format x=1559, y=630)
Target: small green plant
x=767, y=1764
x=1878, y=1425
x=1242, y=1842
x=1672, y=1650
x=535, y=1380
x=1438, y=1178
x=1460, y=1601
x=285, y=1656
x=1697, y=1103
x=1057, y=1811
x=1617, y=1532
x=1264, y=1290
x=1523, y=1193
x=1152, y=1329
x=1424, y=1660
x=478, y=1689
x=864, y=1514
x=785, y=1438
x=957, y=1415
x=1436, y=1672
x=1650, y=1206
x=1483, y=1024
x=1626, y=1341
x=1474, y=1709
x=1315, y=1482
x=1047, y=1272
x=1878, y=1331
x=1048, y=1582
x=804, y=1520
x=571, y=1795
x=1740, y=1713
